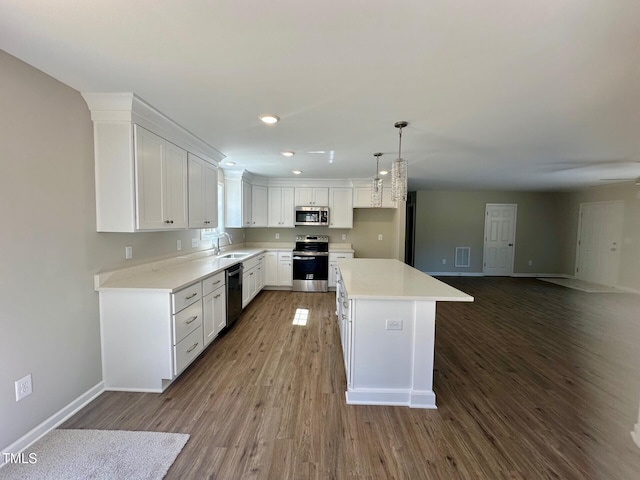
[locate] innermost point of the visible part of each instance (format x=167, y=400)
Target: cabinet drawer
x=186, y=296
x=249, y=264
x=212, y=283
x=187, y=350
x=334, y=256
x=186, y=321
x=284, y=256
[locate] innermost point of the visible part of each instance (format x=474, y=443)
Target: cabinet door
x=176, y=186
x=285, y=269
x=307, y=196
x=271, y=269
x=287, y=207
x=210, y=195
x=246, y=204
x=341, y=207
x=246, y=290
x=321, y=196
x=275, y=207
x=259, y=206
x=219, y=309
x=209, y=326
x=150, y=152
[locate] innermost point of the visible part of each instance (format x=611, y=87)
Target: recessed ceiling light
x=296, y=172
x=269, y=118
x=230, y=164
x=383, y=172
x=288, y=153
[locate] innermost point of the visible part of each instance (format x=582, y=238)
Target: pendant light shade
x=399, y=171
x=376, y=185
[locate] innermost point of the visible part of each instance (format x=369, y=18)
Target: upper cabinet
x=237, y=201
x=161, y=182
x=311, y=196
x=340, y=207
x=203, y=193
x=281, y=207
x=362, y=197
x=141, y=163
x=259, y=207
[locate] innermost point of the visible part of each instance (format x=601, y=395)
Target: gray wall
x=49, y=316
x=449, y=219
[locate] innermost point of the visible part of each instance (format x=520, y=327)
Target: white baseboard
x=630, y=290
x=52, y=422
x=541, y=275
x=455, y=274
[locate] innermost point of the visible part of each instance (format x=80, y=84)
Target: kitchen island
x=387, y=313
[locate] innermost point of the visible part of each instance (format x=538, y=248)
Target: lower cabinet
x=333, y=266
x=214, y=305
x=150, y=336
x=252, y=281
x=278, y=269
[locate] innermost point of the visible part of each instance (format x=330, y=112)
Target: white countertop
x=174, y=277
x=387, y=279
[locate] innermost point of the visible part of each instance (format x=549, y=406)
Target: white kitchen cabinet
x=278, y=269
x=203, y=193
x=140, y=165
x=285, y=269
x=261, y=272
x=281, y=207
x=214, y=305
x=251, y=281
x=340, y=207
x=161, y=182
x=362, y=197
x=333, y=266
x=311, y=196
x=149, y=336
x=259, y=206
x=237, y=202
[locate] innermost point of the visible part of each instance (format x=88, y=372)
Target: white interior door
x=599, y=240
x=499, y=239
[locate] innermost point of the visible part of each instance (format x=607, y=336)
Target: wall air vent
x=463, y=256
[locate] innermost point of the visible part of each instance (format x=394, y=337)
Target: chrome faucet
x=216, y=250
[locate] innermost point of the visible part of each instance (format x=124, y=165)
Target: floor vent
x=463, y=255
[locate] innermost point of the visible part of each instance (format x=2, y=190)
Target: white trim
x=628, y=289
x=455, y=274
x=545, y=275
x=515, y=226
x=54, y=421
x=636, y=434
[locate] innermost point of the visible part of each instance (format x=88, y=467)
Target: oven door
x=310, y=272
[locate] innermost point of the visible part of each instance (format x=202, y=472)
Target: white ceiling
x=504, y=94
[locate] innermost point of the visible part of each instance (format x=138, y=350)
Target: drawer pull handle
x=193, y=348
x=193, y=319
x=218, y=295
x=191, y=296
x=215, y=283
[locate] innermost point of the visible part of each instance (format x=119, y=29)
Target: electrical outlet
x=179, y=245
x=195, y=242
x=530, y=262
x=24, y=387
x=379, y=236
x=128, y=253
x=444, y=261
x=344, y=236
x=277, y=236
x=393, y=325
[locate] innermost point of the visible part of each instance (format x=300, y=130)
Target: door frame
x=484, y=238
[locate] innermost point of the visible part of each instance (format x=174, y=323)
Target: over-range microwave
x=318, y=216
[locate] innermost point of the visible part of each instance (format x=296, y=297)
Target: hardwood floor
x=533, y=380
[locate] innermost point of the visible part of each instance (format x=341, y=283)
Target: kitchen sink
x=234, y=255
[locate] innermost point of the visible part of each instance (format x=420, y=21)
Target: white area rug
x=97, y=454
x=582, y=285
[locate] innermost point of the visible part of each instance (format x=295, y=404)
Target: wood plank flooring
x=533, y=381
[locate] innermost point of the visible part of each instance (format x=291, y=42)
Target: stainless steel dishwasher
x=234, y=293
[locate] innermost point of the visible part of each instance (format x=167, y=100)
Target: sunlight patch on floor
x=301, y=316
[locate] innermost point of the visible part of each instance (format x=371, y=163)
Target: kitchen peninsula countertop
x=388, y=279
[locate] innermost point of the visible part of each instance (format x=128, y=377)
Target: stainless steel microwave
x=318, y=216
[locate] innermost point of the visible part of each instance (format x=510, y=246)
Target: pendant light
x=399, y=171
x=376, y=185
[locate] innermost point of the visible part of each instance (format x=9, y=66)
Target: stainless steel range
x=311, y=263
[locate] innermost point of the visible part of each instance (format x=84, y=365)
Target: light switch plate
x=128, y=252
